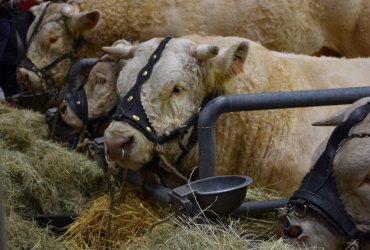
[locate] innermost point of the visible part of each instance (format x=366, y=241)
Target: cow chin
x=311, y=231
x=127, y=146
x=29, y=80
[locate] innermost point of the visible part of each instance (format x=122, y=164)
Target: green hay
x=40, y=177
x=19, y=128
x=23, y=234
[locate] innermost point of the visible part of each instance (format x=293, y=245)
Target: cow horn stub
x=204, y=51
x=67, y=11
x=120, y=50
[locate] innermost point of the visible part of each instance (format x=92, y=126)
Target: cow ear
x=37, y=9
x=232, y=59
x=82, y=22
x=121, y=51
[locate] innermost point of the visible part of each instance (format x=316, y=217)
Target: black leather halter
x=318, y=190
x=130, y=110
x=43, y=72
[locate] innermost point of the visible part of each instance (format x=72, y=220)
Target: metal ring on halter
x=300, y=214
x=107, y=157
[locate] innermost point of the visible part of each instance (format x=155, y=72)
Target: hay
x=23, y=234
x=134, y=226
x=184, y=233
x=39, y=176
x=19, y=128
x=130, y=218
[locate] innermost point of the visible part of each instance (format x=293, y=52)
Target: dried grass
x=41, y=177
x=130, y=218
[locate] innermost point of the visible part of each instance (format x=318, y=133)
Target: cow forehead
x=174, y=65
x=53, y=13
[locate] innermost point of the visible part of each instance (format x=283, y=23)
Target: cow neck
x=43, y=72
x=318, y=190
x=131, y=110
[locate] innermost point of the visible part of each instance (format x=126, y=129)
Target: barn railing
x=262, y=101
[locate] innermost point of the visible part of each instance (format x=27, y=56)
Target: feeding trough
x=214, y=196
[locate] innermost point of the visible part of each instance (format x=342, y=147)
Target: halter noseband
x=318, y=190
x=43, y=72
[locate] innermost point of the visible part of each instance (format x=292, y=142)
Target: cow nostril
x=63, y=107
x=293, y=231
x=115, y=147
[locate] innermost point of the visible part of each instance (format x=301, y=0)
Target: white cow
x=273, y=147
x=79, y=28
x=351, y=169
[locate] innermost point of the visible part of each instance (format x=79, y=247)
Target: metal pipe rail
x=75, y=71
x=262, y=101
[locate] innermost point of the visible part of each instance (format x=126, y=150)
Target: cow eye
x=100, y=78
x=177, y=90
x=53, y=39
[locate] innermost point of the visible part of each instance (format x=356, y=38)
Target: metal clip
x=296, y=212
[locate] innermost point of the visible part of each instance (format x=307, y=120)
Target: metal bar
x=159, y=192
x=262, y=101
x=253, y=208
x=75, y=70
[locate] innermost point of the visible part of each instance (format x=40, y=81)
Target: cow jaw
x=121, y=137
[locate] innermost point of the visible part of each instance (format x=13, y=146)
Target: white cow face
x=352, y=175
x=184, y=75
x=56, y=36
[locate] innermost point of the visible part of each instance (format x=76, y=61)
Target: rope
x=159, y=149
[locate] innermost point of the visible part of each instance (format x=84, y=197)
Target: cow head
x=53, y=40
x=100, y=91
x=351, y=170
x=181, y=79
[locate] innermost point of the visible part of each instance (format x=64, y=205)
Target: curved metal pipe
x=75, y=70
x=253, y=208
x=262, y=101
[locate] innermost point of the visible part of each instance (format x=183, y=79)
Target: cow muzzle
x=115, y=147
x=29, y=80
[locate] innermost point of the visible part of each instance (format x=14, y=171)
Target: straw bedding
x=42, y=177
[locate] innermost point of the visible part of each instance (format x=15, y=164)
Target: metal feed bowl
x=214, y=196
